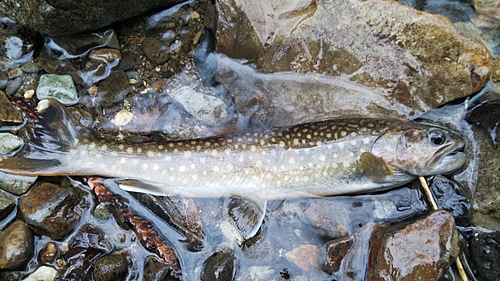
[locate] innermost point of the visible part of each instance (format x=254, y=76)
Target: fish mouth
x=448, y=159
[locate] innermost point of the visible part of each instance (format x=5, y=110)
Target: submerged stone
x=110, y=267
x=16, y=184
x=9, y=143
x=60, y=87
x=485, y=254
x=380, y=44
x=220, y=266
x=8, y=114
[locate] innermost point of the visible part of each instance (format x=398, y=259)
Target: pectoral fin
x=247, y=214
x=374, y=167
x=139, y=186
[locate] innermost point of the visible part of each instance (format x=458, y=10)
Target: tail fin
x=53, y=131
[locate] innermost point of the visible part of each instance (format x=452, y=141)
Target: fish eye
x=437, y=137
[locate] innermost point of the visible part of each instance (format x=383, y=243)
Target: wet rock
x=13, y=86
x=485, y=254
x=3, y=80
x=128, y=61
x=456, y=11
x=114, y=88
x=278, y=99
x=393, y=249
x=220, y=266
x=122, y=118
x=376, y=43
x=335, y=253
x=155, y=50
x=9, y=143
x=16, y=246
x=206, y=108
x=450, y=196
x=43, y=273
x=48, y=253
x=105, y=55
x=58, y=17
x=328, y=219
x=495, y=72
x=110, y=268
x=51, y=210
x=16, y=47
x=7, y=204
x=304, y=257
x=60, y=87
x=155, y=270
x=487, y=7
x=61, y=67
x=76, y=45
x=16, y=184
x=83, y=250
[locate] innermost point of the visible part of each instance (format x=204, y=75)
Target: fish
x=332, y=157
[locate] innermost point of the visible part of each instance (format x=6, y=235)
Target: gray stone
x=208, y=109
x=60, y=87
x=43, y=273
x=9, y=143
x=13, y=86
x=7, y=204
x=58, y=17
x=16, y=184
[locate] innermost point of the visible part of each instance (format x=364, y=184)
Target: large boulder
x=57, y=17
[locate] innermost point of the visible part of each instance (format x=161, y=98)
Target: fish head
x=421, y=150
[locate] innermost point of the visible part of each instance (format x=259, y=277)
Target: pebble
x=335, y=251
x=13, y=85
x=155, y=270
x=43, y=273
x=392, y=254
x=485, y=254
x=304, y=256
x=105, y=55
x=9, y=143
x=7, y=204
x=114, y=88
x=48, y=253
x=122, y=118
x=110, y=267
x=220, y=266
x=208, y=109
x=156, y=50
x=16, y=246
x=60, y=87
x=51, y=210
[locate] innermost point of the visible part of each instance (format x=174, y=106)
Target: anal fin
x=247, y=214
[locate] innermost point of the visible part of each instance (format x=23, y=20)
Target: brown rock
x=105, y=55
x=422, y=250
x=50, y=209
x=421, y=60
x=8, y=114
x=16, y=246
x=335, y=253
x=110, y=267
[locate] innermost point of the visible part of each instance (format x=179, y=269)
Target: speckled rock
x=66, y=17
x=487, y=7
x=60, y=87
x=16, y=246
x=48, y=253
x=376, y=43
x=110, y=268
x=304, y=256
x=9, y=143
x=16, y=184
x=51, y=210
x=392, y=249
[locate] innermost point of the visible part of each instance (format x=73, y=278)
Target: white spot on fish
x=353, y=142
x=150, y=153
x=253, y=148
x=182, y=168
x=168, y=158
x=194, y=177
x=366, y=140
x=215, y=168
x=322, y=157
x=258, y=164
x=121, y=146
x=130, y=150
x=156, y=167
x=139, y=150
x=192, y=166
x=291, y=161
x=144, y=166
x=351, y=154
x=160, y=147
x=122, y=160
x=341, y=145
